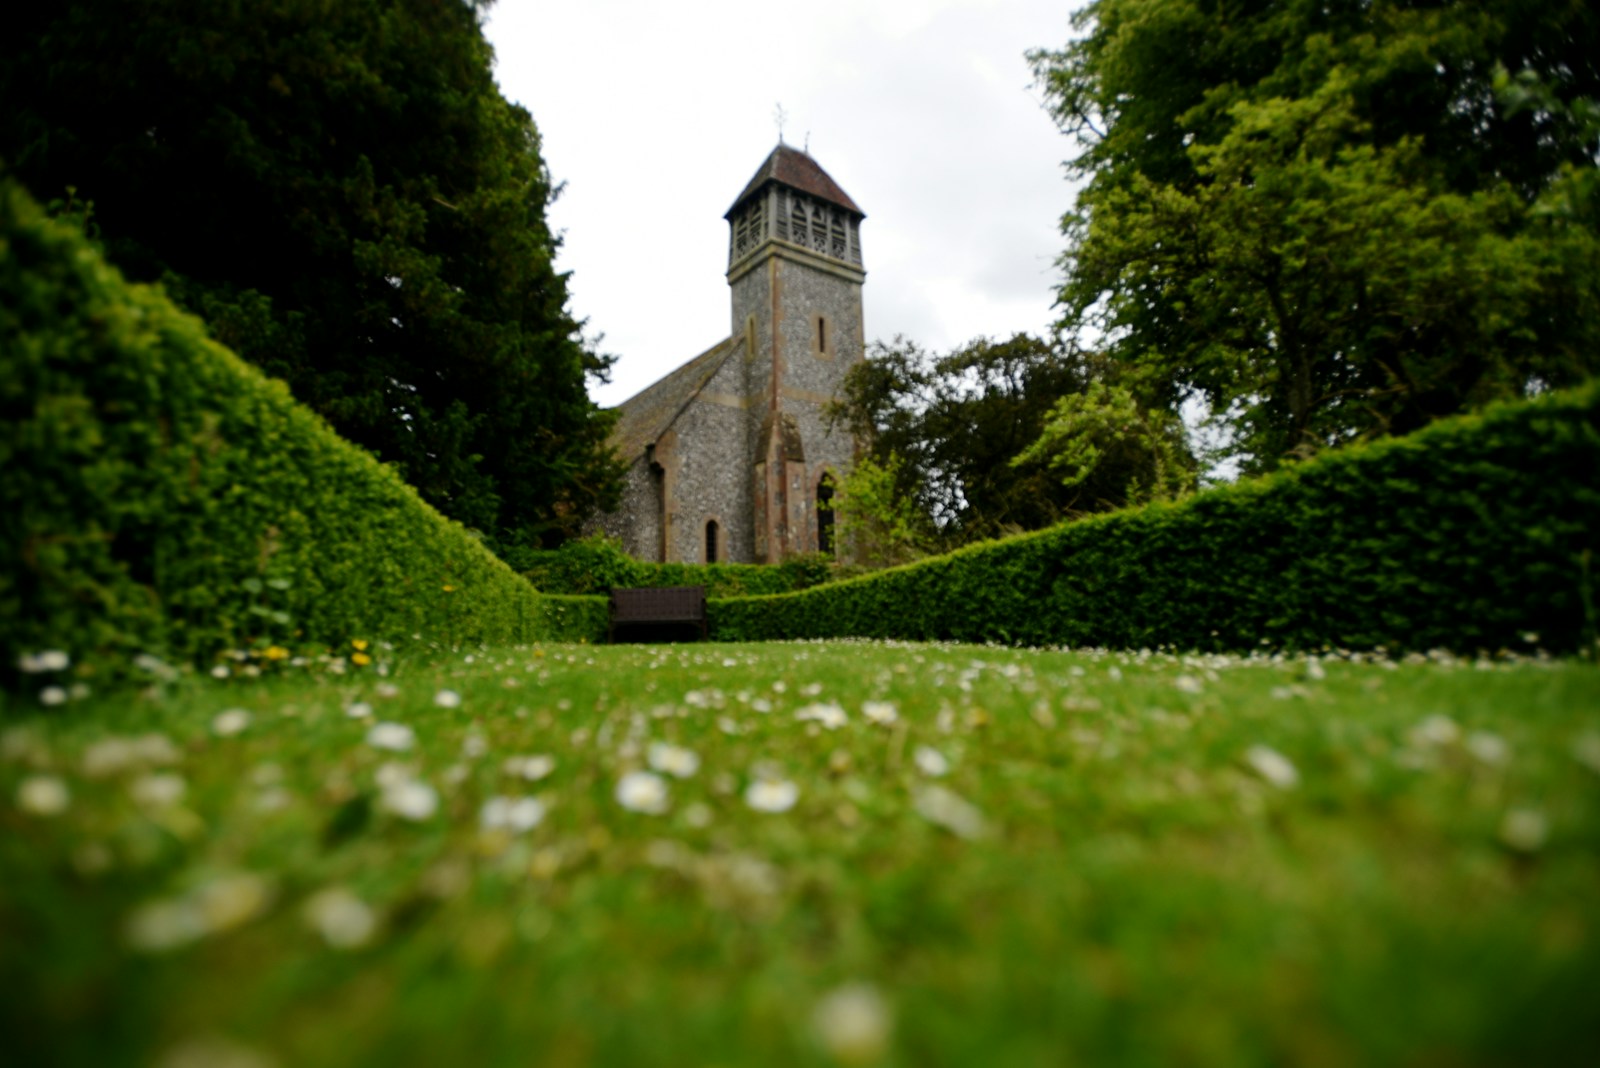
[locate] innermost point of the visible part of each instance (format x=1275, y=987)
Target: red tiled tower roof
x=797, y=170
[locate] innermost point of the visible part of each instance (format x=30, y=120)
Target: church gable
x=651, y=412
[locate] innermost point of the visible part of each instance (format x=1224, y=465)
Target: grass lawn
x=808, y=854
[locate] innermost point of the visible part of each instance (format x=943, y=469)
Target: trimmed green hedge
x=1466, y=536
x=564, y=618
x=161, y=496
x=595, y=565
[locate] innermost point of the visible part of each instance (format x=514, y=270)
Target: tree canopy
x=957, y=438
x=1321, y=218
x=342, y=192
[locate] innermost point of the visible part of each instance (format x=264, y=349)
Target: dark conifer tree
x=342, y=192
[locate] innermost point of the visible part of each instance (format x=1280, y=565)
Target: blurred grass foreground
x=808, y=853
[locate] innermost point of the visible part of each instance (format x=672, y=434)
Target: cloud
x=656, y=115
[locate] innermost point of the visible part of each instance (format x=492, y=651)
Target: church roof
x=651, y=412
x=797, y=170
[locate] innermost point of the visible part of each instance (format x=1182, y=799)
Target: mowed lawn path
x=808, y=854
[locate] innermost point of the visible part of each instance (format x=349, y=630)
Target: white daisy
x=230, y=900
x=411, y=799
x=853, y=1023
x=1524, y=829
x=392, y=774
x=396, y=737
x=829, y=714
x=230, y=722
x=1272, y=766
x=771, y=795
x=1435, y=731
x=673, y=760
x=532, y=768
x=38, y=663
x=930, y=761
x=342, y=919
x=272, y=799
x=642, y=791
x=43, y=795
x=158, y=791
x=1490, y=749
x=881, y=712
x=515, y=814
x=950, y=811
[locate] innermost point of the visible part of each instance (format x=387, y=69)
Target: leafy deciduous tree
x=879, y=522
x=957, y=434
x=955, y=421
x=1104, y=438
x=1317, y=217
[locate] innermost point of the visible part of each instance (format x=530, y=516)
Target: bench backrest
x=662, y=604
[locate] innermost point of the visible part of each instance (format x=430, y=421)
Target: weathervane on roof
x=779, y=116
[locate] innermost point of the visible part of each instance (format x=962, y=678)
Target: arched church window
x=822, y=334
x=711, y=541
x=825, y=489
x=838, y=246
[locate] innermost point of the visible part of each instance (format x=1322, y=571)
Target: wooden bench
x=659, y=613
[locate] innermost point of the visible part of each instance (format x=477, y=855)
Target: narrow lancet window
x=711, y=541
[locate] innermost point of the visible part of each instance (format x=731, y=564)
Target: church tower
x=795, y=270
x=730, y=457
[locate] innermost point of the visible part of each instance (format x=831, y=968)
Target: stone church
x=730, y=457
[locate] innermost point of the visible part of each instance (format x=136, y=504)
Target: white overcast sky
x=655, y=115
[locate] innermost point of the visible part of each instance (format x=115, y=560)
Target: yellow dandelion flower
x=359, y=644
x=276, y=652
x=449, y=588
x=360, y=659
